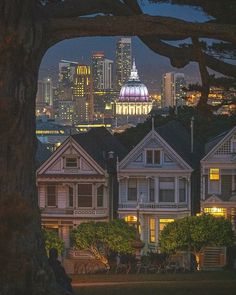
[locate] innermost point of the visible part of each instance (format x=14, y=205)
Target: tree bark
x=24, y=268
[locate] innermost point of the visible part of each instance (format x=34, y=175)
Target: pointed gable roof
x=178, y=137
x=98, y=142
x=214, y=143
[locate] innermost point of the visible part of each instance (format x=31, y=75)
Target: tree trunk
x=24, y=268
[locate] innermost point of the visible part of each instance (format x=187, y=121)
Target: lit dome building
x=133, y=103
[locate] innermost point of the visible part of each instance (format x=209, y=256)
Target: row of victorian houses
x=92, y=176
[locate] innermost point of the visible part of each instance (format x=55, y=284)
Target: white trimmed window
x=71, y=162
x=70, y=196
x=151, y=190
x=214, y=181
x=100, y=196
x=166, y=189
x=85, y=195
x=132, y=190
x=152, y=230
x=182, y=189
x=51, y=196
x=153, y=157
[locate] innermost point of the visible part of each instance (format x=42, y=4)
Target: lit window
x=218, y=212
x=214, y=181
x=131, y=218
x=71, y=162
x=163, y=222
x=214, y=174
x=51, y=196
x=152, y=230
x=153, y=157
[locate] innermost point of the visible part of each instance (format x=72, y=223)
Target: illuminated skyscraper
x=123, y=61
x=172, y=89
x=45, y=92
x=83, y=94
x=97, y=70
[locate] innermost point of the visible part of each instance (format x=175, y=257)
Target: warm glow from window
x=130, y=218
x=152, y=230
x=218, y=212
x=214, y=174
x=163, y=222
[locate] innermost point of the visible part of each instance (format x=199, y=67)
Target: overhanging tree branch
x=141, y=25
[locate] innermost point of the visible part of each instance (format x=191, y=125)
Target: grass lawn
x=202, y=283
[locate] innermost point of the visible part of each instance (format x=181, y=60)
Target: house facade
x=155, y=179
x=76, y=183
x=218, y=176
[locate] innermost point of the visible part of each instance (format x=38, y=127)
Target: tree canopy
x=194, y=233
x=102, y=237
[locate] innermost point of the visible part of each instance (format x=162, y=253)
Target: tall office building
x=65, y=79
x=123, y=61
x=107, y=82
x=102, y=72
x=97, y=70
x=44, y=95
x=83, y=94
x=172, y=93
x=180, y=84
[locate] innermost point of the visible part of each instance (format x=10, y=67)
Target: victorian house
x=218, y=176
x=78, y=181
x=155, y=181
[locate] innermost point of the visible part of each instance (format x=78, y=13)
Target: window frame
x=153, y=150
x=68, y=199
x=152, y=231
x=128, y=189
x=92, y=195
x=211, y=181
x=174, y=191
x=56, y=201
x=103, y=190
x=71, y=167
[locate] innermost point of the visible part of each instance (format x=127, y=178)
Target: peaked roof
x=178, y=137
x=212, y=142
x=98, y=142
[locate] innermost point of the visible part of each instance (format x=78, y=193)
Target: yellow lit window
x=214, y=174
x=152, y=230
x=130, y=218
x=163, y=222
x=218, y=212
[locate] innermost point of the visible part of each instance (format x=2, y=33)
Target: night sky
x=150, y=68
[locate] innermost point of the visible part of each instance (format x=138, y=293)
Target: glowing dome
x=133, y=89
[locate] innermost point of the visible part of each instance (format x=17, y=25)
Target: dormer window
x=153, y=157
x=71, y=162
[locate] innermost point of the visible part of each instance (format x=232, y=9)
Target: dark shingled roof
x=42, y=153
x=212, y=142
x=97, y=142
x=178, y=137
